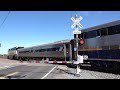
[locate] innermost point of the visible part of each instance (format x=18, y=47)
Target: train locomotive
x=102, y=45
x=13, y=53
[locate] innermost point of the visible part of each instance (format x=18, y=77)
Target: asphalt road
x=26, y=72
x=10, y=69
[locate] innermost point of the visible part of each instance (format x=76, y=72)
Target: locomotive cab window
x=114, y=30
x=98, y=33
x=104, y=32
x=90, y=34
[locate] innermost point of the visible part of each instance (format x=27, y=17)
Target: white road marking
x=48, y=73
x=4, y=67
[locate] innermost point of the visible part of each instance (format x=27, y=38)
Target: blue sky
x=31, y=28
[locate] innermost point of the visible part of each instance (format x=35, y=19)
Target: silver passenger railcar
x=58, y=51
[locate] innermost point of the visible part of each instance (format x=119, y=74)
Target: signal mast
x=76, y=24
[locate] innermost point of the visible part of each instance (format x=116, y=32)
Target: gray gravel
x=64, y=72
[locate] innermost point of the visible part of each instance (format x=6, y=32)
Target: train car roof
x=113, y=23
x=57, y=42
x=14, y=48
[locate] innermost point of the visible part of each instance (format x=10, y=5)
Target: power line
x=4, y=22
x=5, y=19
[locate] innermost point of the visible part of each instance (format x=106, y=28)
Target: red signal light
x=81, y=41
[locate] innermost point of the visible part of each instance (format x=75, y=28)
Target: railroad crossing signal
x=76, y=22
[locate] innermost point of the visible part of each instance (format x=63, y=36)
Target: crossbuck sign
x=76, y=22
